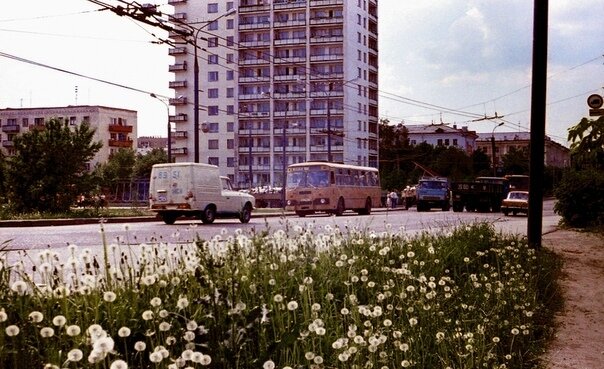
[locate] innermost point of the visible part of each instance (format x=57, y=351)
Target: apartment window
x=230, y=92
x=25, y=122
x=230, y=24
x=213, y=76
x=230, y=126
x=213, y=144
x=359, y=19
x=230, y=58
x=230, y=143
x=212, y=41
x=213, y=26
x=230, y=162
x=72, y=121
x=213, y=93
x=446, y=142
x=359, y=72
x=359, y=126
x=359, y=39
x=230, y=75
x=360, y=93
x=213, y=128
x=359, y=53
x=230, y=41
x=213, y=110
x=439, y=142
x=212, y=59
x=454, y=142
x=212, y=160
x=213, y=8
x=229, y=5
x=230, y=109
x=360, y=108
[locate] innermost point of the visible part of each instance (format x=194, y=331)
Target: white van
x=193, y=189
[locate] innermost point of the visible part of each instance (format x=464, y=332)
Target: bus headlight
x=321, y=201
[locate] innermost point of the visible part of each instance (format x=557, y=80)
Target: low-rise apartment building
x=115, y=128
x=442, y=135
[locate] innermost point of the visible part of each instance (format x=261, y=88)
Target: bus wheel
x=340, y=208
x=367, y=209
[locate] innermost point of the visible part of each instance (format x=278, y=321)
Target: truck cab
x=433, y=192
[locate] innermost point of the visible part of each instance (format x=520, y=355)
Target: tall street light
x=493, y=147
x=196, y=83
x=169, y=126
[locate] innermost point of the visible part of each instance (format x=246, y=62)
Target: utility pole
x=538, y=113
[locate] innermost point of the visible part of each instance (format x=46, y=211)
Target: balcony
x=180, y=16
x=176, y=2
x=178, y=118
x=326, y=2
x=255, y=43
x=254, y=25
x=326, y=39
x=178, y=84
x=290, y=41
x=118, y=128
x=180, y=135
x=13, y=128
x=290, y=23
x=243, y=8
x=326, y=57
x=293, y=59
x=179, y=67
x=326, y=20
x=120, y=143
x=290, y=4
x=178, y=101
x=245, y=79
x=180, y=151
x=253, y=61
x=177, y=51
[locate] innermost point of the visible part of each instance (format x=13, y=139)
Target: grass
x=313, y=297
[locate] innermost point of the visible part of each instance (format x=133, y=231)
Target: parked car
x=516, y=202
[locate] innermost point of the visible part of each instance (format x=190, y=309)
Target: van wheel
x=246, y=214
x=209, y=215
x=340, y=208
x=168, y=218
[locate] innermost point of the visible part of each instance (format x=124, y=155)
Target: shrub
x=580, y=197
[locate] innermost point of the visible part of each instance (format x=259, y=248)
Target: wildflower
x=496, y=339
x=20, y=287
x=75, y=355
x=405, y=363
x=73, y=330
x=36, y=316
x=269, y=364
x=412, y=322
x=47, y=332
x=440, y=336
x=124, y=332
x=104, y=345
x=155, y=302
x=343, y=357
x=315, y=307
x=155, y=357
x=59, y=320
x=292, y=305
x=278, y=298
x=191, y=325
x=387, y=323
x=344, y=311
x=119, y=364
x=182, y=303
x=109, y=296
x=12, y=330
x=515, y=331
x=309, y=355
x=3, y=316
x=206, y=360
x=96, y=357
x=318, y=360
x=164, y=326
x=147, y=315
x=140, y=346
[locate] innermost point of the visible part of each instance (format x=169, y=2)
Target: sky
x=435, y=56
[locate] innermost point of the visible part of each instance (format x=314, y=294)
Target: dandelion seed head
x=75, y=355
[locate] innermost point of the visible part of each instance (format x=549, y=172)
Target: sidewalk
x=579, y=337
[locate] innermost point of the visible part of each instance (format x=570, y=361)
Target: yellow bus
x=323, y=187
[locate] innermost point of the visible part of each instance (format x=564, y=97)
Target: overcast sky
x=470, y=56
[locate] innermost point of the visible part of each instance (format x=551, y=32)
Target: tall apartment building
x=280, y=82
x=115, y=128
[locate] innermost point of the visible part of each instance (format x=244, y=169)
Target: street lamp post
x=493, y=148
x=284, y=174
x=169, y=127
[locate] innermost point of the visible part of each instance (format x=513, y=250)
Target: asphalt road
x=90, y=235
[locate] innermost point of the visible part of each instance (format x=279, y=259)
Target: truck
x=484, y=194
x=196, y=190
x=433, y=192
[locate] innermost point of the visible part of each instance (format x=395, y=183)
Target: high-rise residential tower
x=279, y=82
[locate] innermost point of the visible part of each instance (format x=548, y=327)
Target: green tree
x=516, y=161
x=143, y=164
x=481, y=164
x=119, y=167
x=49, y=169
x=587, y=148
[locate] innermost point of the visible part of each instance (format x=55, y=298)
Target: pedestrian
x=393, y=199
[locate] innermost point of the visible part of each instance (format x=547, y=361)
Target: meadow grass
x=303, y=297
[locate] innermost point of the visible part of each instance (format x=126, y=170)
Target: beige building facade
x=115, y=128
x=280, y=82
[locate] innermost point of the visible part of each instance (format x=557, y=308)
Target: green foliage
x=119, y=167
x=587, y=148
x=481, y=164
x=143, y=164
x=309, y=297
x=516, y=161
x=49, y=168
x=580, y=196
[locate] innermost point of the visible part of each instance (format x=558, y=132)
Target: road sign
x=595, y=101
x=596, y=112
